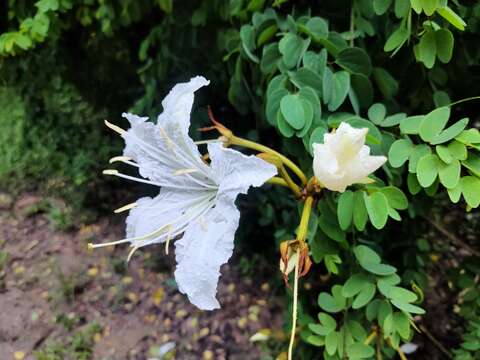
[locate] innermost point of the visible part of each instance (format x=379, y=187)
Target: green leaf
x=401, y=323
x=293, y=111
x=317, y=62
x=411, y=124
x=316, y=137
x=339, y=91
x=354, y=285
x=267, y=34
x=412, y=184
x=449, y=133
x=401, y=294
x=317, y=27
x=354, y=60
x=247, y=35
x=458, y=150
x=408, y=307
x=379, y=269
x=449, y=174
x=270, y=58
x=327, y=321
x=444, y=43
x=449, y=15
x=386, y=83
x=429, y=6
x=47, y=5
x=332, y=304
x=360, y=351
x=433, y=123
x=292, y=47
x=418, y=152
x=469, y=137
x=331, y=342
x=381, y=6
x=331, y=229
x=471, y=190
x=397, y=38
x=364, y=296
x=393, y=120
x=401, y=8
x=472, y=164
x=345, y=209
x=427, y=49
x=283, y=126
x=366, y=255
x=273, y=105
x=427, y=169
x=363, y=89
x=444, y=154
x=395, y=197
x=304, y=77
x=360, y=215
x=377, y=209
x=376, y=113
x=399, y=152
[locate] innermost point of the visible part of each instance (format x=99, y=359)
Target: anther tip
x=90, y=246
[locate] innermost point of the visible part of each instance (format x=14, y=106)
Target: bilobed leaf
x=379, y=269
x=355, y=60
x=458, y=150
x=449, y=174
x=399, y=152
x=429, y=6
x=427, y=169
x=316, y=137
x=327, y=85
x=345, y=209
x=449, y=133
x=305, y=77
x=292, y=110
x=317, y=27
x=377, y=209
x=331, y=229
x=393, y=120
x=401, y=8
x=376, y=113
x=444, y=43
x=364, y=254
x=292, y=47
x=247, y=35
x=364, y=296
x=418, y=152
x=411, y=124
x=433, y=123
x=412, y=184
x=401, y=294
x=395, y=197
x=354, y=285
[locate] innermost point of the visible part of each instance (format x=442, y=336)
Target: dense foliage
x=292, y=71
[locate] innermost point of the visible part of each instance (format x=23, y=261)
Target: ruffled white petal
x=206, y=245
x=177, y=105
x=235, y=172
x=343, y=159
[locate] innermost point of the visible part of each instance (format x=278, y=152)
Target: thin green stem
x=262, y=148
x=464, y=100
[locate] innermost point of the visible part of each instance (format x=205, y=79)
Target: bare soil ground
x=56, y=295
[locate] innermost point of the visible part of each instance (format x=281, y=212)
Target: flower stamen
x=115, y=128
x=125, y=208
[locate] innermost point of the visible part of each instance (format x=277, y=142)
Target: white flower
x=196, y=200
x=344, y=159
